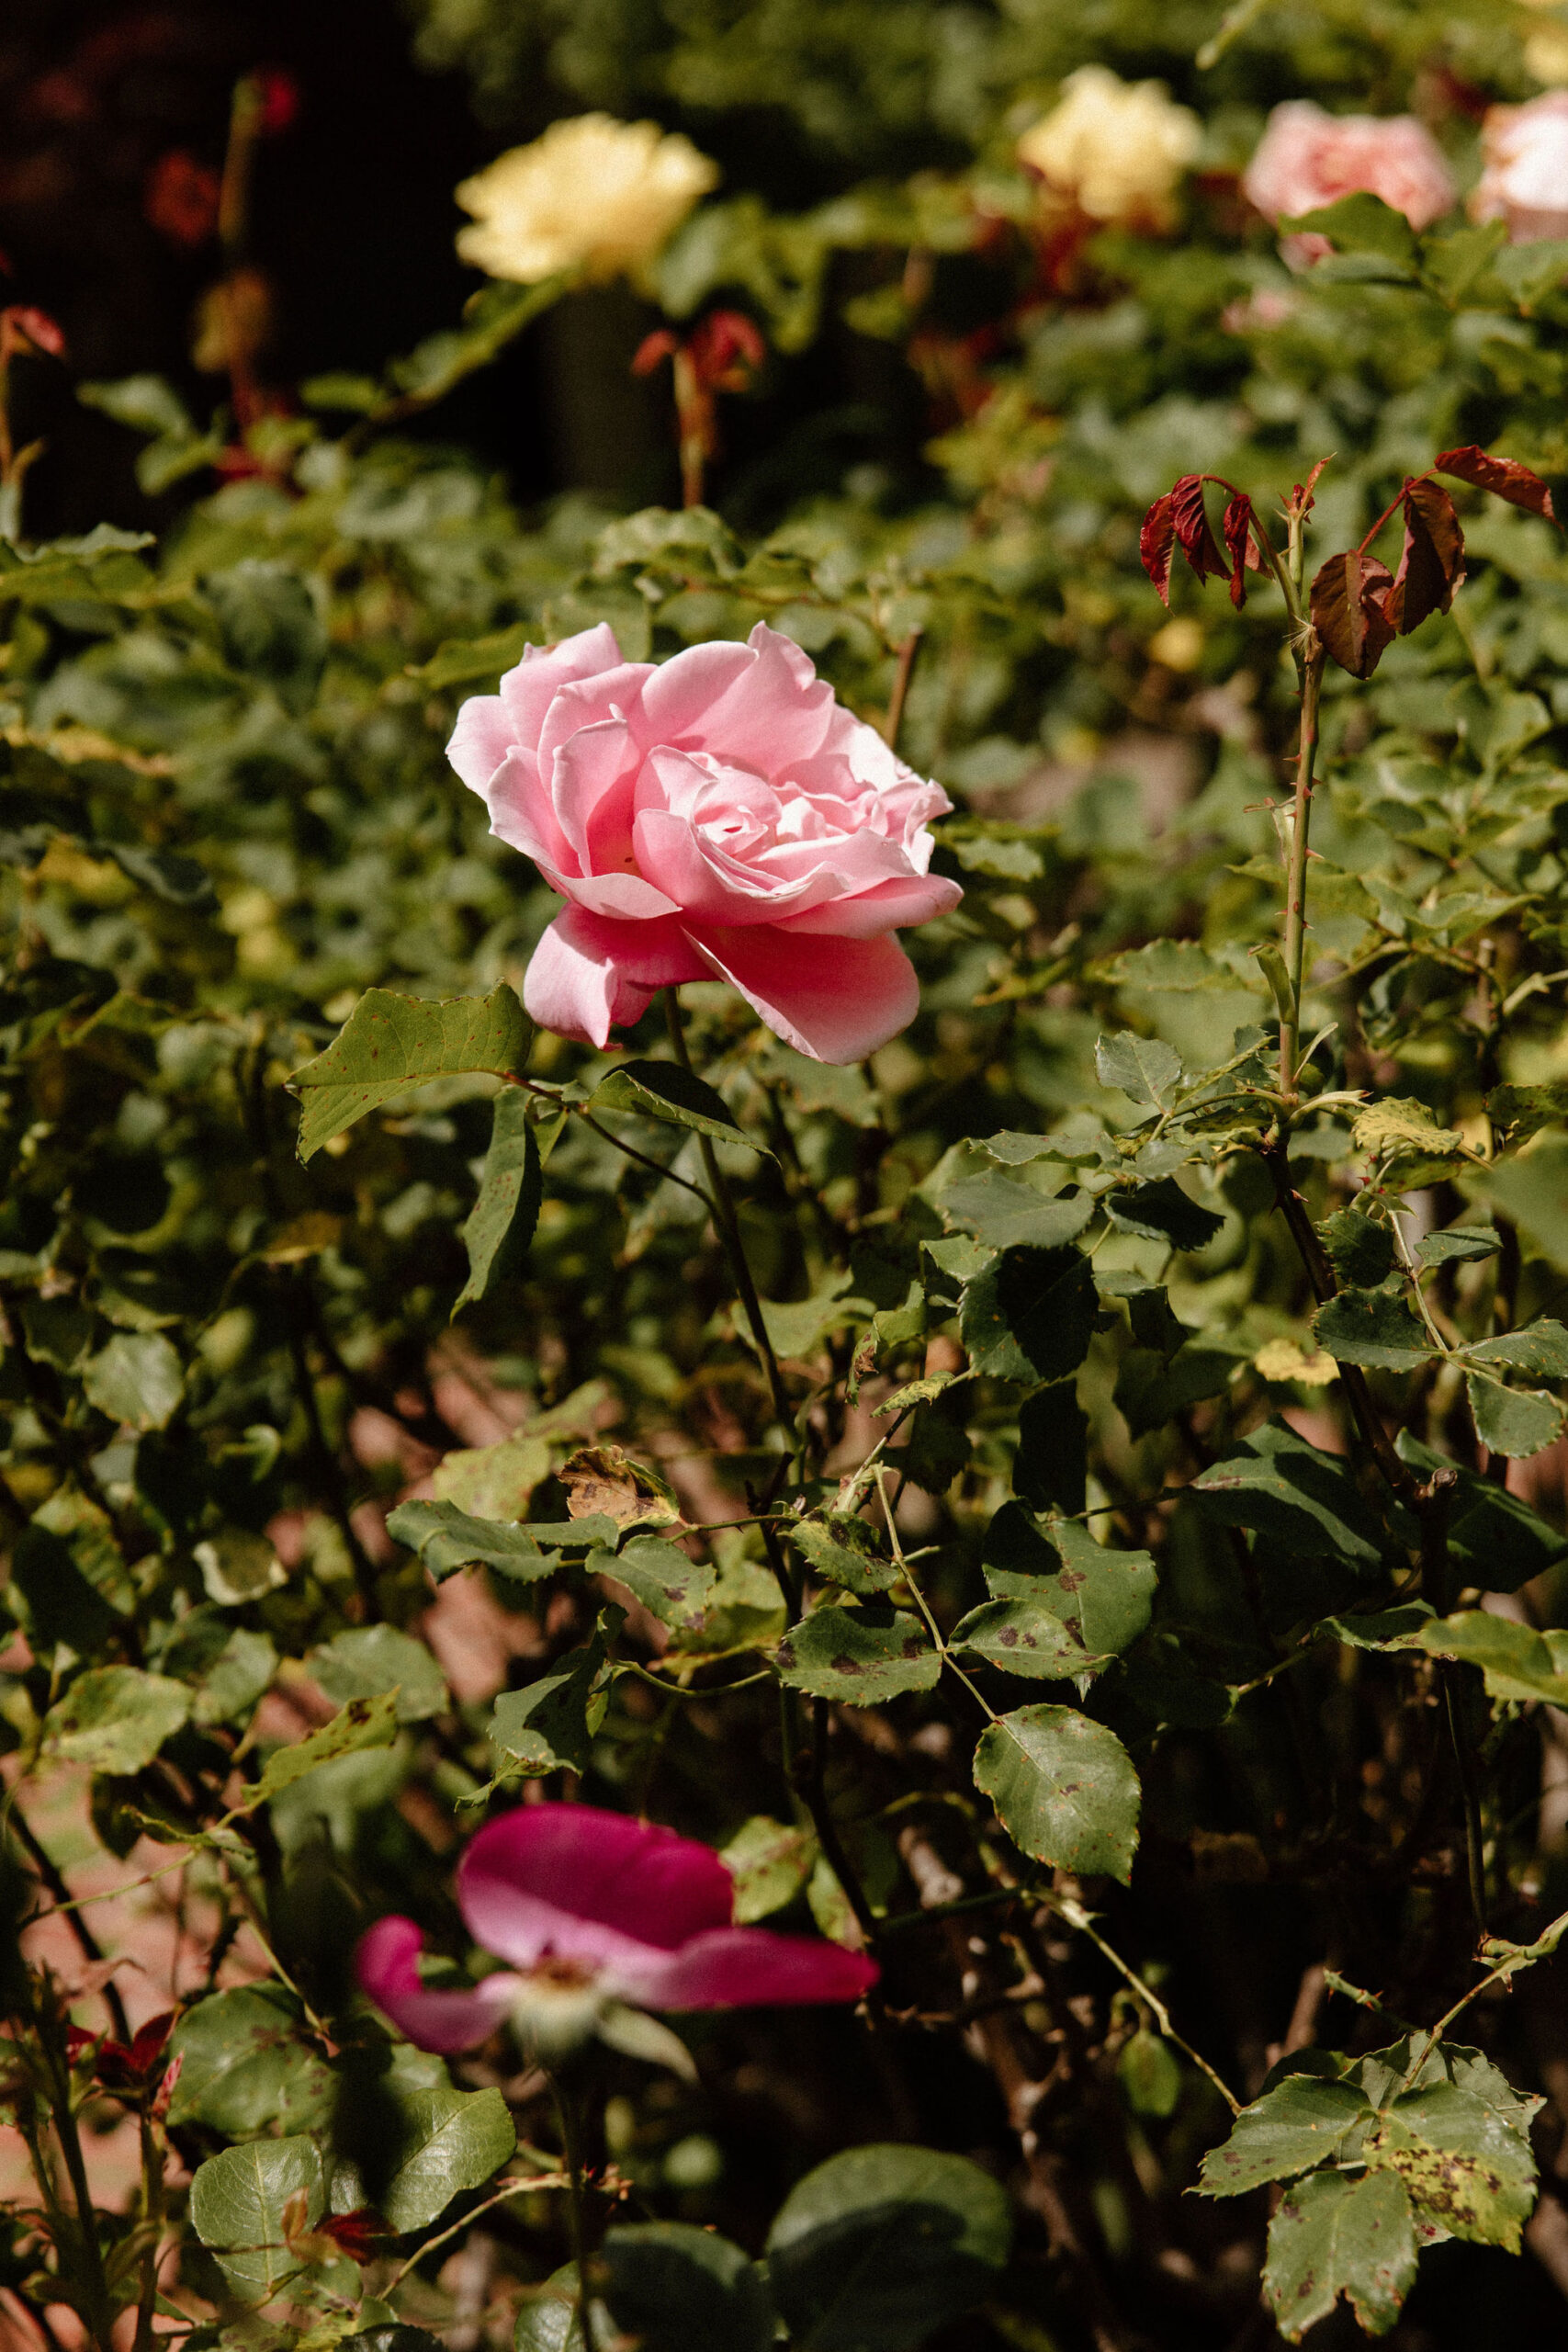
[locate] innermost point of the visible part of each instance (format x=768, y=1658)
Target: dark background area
x=352, y=220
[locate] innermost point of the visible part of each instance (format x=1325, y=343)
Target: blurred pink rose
x=1524, y=180
x=714, y=817
x=594, y=1913
x=1307, y=158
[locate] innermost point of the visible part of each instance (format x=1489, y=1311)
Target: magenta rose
x=595, y=1915
x=717, y=816
x=1307, y=158
x=1524, y=177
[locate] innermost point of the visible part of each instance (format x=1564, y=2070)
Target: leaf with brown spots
x=1064, y=1788
x=1466, y=2168
x=1303, y=2122
x=861, y=1655
x=1334, y=2235
x=601, y=1481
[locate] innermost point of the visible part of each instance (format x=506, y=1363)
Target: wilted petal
x=386, y=1968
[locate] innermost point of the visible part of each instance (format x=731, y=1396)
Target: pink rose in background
x=1307, y=158
x=717, y=816
x=595, y=1914
x=1524, y=178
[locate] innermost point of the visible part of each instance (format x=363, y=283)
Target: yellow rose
x=592, y=194
x=1117, y=148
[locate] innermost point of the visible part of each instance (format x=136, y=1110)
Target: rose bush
x=719, y=817
x=1308, y=158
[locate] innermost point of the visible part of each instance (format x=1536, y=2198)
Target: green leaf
x=770, y=1862
x=501, y=1227
x=390, y=1042
x=1381, y=1629
x=1359, y=224
x=247, y=2068
x=1459, y=1244
x=136, y=1380
x=938, y=1448
x=1151, y=1391
x=1293, y=1495
x=1064, y=1789
x=115, y=1719
x=1540, y=1347
x=1001, y=1212
x=237, y=2202
x=364, y=1722
x=1516, y=1662
x=1512, y=1422
x=844, y=1550
x=1334, y=2235
x=666, y=1091
x=1360, y=1248
x=449, y=2140
x=1374, y=1328
x=474, y=661
x=1162, y=1212
x=1145, y=1069
x=862, y=1655
x=1024, y=1638
x=368, y=1659
x=552, y=1723
x=1303, y=2122
x=1102, y=1596
x=1150, y=2075
x=1030, y=1315
x=881, y=2246
x=547, y=2319
x=1494, y=1539
x=1465, y=2166
x=1051, y=1466
x=447, y=1538
x=676, y=2288
x=669, y=1585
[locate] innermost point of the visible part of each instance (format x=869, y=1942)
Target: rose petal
x=837, y=1000
x=734, y=1968
x=891, y=906
x=681, y=691
x=385, y=1968
x=529, y=690
x=577, y=1880
x=480, y=741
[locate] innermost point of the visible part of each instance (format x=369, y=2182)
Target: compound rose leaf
x=1504, y=477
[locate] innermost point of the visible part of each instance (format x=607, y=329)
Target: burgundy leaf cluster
x=1180, y=519
x=1358, y=606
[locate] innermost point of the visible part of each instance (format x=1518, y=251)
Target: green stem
x=722, y=1203
x=1311, y=669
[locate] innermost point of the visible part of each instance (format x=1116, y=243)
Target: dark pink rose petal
x=572, y=1879
x=385, y=1966
x=733, y=1968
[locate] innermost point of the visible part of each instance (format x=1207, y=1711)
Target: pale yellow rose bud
x=1117, y=148
x=593, y=194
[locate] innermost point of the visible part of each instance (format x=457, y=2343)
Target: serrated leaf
x=1294, y=1495
x=1540, y=1347
x=1162, y=1212
x=1360, y=1248
x=1023, y=1637
x=1102, y=1596
x=1348, y=602
x=1064, y=1788
x=369, y=1659
x=1458, y=1245
x=675, y=2288
x=364, y=1722
x=447, y=1538
x=448, y=2140
x=115, y=1719
x=245, y=2066
x=1516, y=1661
x=1464, y=2164
x=1145, y=1069
x=1399, y=1126
x=237, y=2202
x=881, y=2246
x=1333, y=2235
x=512, y=1191
x=136, y=1379
x=1303, y=2122
x=1504, y=477
x=1512, y=1422
x=1001, y=1212
x=1030, y=1315
x=669, y=1585
x=844, y=1550
x=1376, y=1328
x=860, y=1656
x=552, y=1724
x=391, y=1043
x=667, y=1091
x=769, y=1861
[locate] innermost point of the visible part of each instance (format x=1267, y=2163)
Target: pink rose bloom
x=1524, y=179
x=1307, y=159
x=595, y=1914
x=713, y=817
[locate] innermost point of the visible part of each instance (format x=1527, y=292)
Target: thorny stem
x=1310, y=663
x=572, y=2150
x=544, y=2178
x=722, y=1202
x=1077, y=1916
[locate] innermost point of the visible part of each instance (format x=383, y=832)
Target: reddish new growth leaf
x=1504, y=477
x=24, y=328
x=130, y=2067
x=1238, y=530
x=1193, y=535
x=1350, y=610
x=1156, y=545
x=1431, y=565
